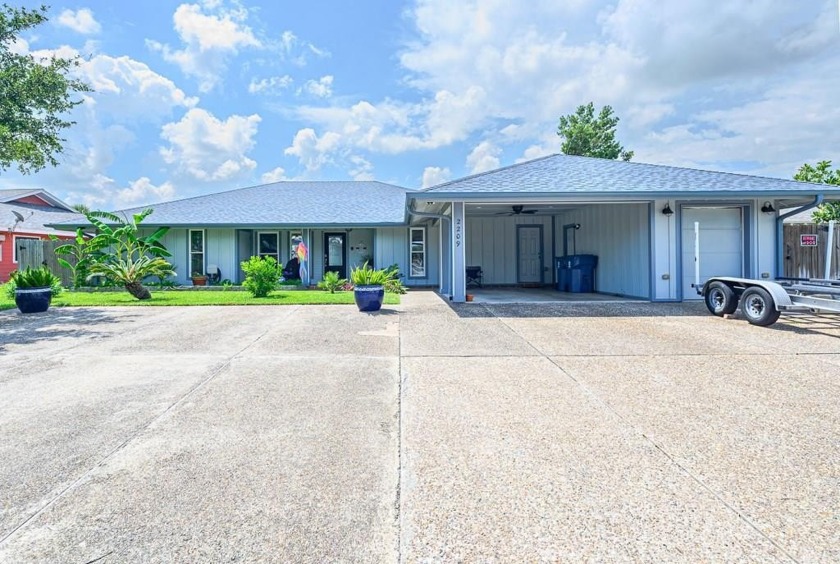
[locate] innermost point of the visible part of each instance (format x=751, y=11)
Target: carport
x=649, y=226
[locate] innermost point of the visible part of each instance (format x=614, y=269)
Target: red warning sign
x=807, y=240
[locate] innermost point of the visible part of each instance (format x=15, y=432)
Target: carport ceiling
x=522, y=209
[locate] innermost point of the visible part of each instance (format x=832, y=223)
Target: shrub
x=394, y=285
x=261, y=275
x=332, y=282
x=33, y=278
x=367, y=276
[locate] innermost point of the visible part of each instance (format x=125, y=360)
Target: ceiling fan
x=518, y=210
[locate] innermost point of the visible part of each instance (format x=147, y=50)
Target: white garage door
x=721, y=245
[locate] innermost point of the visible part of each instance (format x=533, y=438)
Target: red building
x=25, y=214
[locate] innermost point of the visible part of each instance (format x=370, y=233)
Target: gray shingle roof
x=571, y=175
x=36, y=218
x=288, y=203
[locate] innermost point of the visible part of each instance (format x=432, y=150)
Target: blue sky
x=198, y=97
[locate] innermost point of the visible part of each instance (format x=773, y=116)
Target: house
x=640, y=220
x=27, y=214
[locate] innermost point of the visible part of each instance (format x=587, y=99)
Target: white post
x=829, y=248
x=459, y=260
x=696, y=254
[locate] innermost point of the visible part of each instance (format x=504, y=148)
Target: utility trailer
x=763, y=301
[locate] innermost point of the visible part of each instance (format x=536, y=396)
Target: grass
x=196, y=298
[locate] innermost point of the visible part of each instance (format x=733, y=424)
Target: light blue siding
x=619, y=234
x=491, y=244
x=391, y=247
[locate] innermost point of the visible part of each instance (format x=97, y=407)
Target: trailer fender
x=781, y=298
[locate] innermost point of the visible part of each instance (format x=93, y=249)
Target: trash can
x=576, y=273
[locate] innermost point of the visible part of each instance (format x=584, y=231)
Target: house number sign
x=807, y=240
x=458, y=232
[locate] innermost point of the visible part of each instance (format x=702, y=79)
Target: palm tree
x=128, y=258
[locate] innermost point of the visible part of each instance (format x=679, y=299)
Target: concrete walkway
x=545, y=432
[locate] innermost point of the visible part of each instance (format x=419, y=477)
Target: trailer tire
x=758, y=307
x=720, y=299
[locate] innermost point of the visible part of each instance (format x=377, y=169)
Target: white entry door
x=721, y=245
x=529, y=245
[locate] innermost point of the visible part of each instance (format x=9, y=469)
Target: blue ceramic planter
x=33, y=300
x=369, y=298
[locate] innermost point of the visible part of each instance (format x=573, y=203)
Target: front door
x=529, y=253
x=334, y=253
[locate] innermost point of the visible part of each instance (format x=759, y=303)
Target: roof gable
x=36, y=197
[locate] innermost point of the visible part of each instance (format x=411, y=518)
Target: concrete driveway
x=609, y=432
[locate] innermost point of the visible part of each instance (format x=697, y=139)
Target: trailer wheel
x=720, y=299
x=758, y=307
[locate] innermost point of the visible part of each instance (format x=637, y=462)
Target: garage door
x=721, y=245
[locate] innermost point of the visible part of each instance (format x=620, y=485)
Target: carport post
x=829, y=250
x=459, y=261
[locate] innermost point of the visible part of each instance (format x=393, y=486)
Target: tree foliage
x=123, y=256
x=821, y=173
x=35, y=96
x=586, y=135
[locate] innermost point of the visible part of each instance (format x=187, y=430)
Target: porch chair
x=474, y=275
x=214, y=275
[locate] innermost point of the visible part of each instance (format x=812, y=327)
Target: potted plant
x=34, y=288
x=369, y=287
x=199, y=279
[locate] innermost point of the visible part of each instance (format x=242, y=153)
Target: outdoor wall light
x=768, y=208
x=667, y=211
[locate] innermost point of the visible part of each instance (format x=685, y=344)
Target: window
x=16, y=246
x=417, y=236
x=268, y=245
x=196, y=251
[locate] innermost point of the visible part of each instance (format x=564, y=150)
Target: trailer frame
x=763, y=301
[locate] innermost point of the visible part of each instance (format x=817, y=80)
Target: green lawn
x=197, y=298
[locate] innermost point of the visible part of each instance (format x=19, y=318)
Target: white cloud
x=209, y=149
x=297, y=51
x=313, y=151
x=484, y=157
x=362, y=168
x=322, y=88
x=81, y=21
x=270, y=85
x=209, y=40
x=434, y=175
x=142, y=191
x=274, y=175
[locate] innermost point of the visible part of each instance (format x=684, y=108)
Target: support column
x=459, y=260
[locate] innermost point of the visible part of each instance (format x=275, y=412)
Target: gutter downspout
x=438, y=216
x=780, y=233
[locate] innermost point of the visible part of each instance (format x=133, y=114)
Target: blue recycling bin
x=576, y=273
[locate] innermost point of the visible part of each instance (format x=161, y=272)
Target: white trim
x=14, y=245
x=411, y=252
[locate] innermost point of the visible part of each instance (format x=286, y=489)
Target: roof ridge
x=486, y=172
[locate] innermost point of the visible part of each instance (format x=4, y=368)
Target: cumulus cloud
x=209, y=39
x=209, y=149
x=321, y=88
x=270, y=85
x=274, y=175
x=362, y=168
x=434, y=175
x=142, y=191
x=313, y=151
x=484, y=157
x=80, y=21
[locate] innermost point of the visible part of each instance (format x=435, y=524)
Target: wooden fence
x=809, y=262
x=35, y=253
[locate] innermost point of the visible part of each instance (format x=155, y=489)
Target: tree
x=821, y=173
x=585, y=135
x=35, y=96
x=123, y=256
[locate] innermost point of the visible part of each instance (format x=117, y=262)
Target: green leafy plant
x=367, y=276
x=126, y=258
x=33, y=278
x=589, y=136
x=394, y=285
x=226, y=285
x=83, y=250
x=332, y=282
x=829, y=211
x=261, y=275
